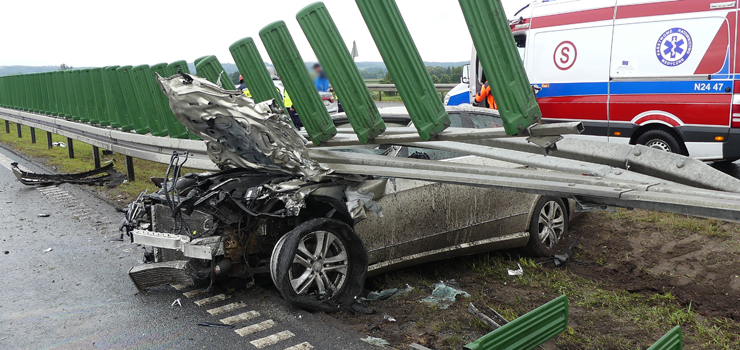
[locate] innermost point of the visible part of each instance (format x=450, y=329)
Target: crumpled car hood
x=238, y=132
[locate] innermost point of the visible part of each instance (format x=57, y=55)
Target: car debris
x=7, y=252
x=444, y=295
x=387, y=293
x=414, y=346
x=376, y=341
x=176, y=302
x=215, y=325
x=43, y=215
x=47, y=250
x=490, y=323
x=517, y=272
x=386, y=319
x=101, y=176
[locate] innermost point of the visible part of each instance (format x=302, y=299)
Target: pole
x=70, y=148
x=49, y=142
x=18, y=130
x=96, y=157
x=33, y=135
x=130, y=169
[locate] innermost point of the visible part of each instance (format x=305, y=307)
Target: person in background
x=321, y=82
x=243, y=87
x=484, y=98
x=291, y=110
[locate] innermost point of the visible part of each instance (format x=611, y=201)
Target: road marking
x=179, y=286
x=272, y=339
x=258, y=327
x=211, y=300
x=301, y=346
x=244, y=316
x=226, y=308
x=193, y=293
x=5, y=161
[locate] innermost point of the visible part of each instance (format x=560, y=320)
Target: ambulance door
x=670, y=71
x=568, y=53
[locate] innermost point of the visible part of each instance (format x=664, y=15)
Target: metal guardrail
x=130, y=144
x=392, y=87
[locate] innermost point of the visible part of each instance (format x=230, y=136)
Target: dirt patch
x=636, y=274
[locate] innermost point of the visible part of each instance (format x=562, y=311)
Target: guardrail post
x=33, y=135
x=96, y=157
x=70, y=148
x=49, y=142
x=7, y=127
x=130, y=169
x=18, y=130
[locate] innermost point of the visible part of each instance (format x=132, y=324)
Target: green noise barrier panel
x=253, y=70
x=210, y=68
x=673, y=340
x=144, y=85
x=100, y=114
x=341, y=70
x=500, y=59
x=80, y=95
x=174, y=127
x=292, y=69
x=110, y=97
x=89, y=92
x=528, y=331
x=177, y=66
x=405, y=65
x=138, y=119
x=61, y=92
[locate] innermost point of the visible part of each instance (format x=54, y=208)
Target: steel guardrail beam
x=146, y=147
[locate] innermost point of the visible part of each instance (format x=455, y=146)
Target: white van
x=654, y=72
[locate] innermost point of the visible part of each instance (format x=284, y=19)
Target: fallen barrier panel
x=252, y=68
x=289, y=64
x=342, y=71
x=405, y=65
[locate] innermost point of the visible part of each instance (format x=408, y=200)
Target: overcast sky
x=102, y=33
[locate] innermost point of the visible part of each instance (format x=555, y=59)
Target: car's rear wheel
x=660, y=139
x=547, y=226
x=319, y=265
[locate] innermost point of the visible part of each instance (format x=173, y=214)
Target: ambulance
x=659, y=73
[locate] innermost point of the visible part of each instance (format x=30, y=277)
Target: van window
x=521, y=44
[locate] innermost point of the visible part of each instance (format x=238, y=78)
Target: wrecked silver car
x=274, y=210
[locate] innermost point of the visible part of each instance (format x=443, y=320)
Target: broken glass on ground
x=444, y=295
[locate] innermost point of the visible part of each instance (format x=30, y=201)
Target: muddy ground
x=636, y=275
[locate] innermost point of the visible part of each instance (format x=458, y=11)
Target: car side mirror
x=465, y=78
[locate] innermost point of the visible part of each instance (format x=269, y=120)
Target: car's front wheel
x=319, y=265
x=547, y=226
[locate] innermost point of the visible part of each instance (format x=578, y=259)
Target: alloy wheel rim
x=551, y=224
x=319, y=265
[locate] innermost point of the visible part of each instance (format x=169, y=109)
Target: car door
x=422, y=216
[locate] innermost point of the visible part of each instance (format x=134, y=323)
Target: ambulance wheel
x=660, y=139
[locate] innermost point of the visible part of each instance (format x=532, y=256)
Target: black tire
x=660, y=139
x=544, y=239
x=341, y=279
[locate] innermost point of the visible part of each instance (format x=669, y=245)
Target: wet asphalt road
x=79, y=296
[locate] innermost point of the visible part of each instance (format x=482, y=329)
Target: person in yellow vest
x=291, y=110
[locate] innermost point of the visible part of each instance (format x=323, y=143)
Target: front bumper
x=201, y=248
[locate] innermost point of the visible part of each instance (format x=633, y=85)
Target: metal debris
x=101, y=176
x=236, y=129
x=444, y=295
x=44, y=215
x=47, y=250
x=375, y=341
x=517, y=272
x=215, y=325
x=176, y=302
